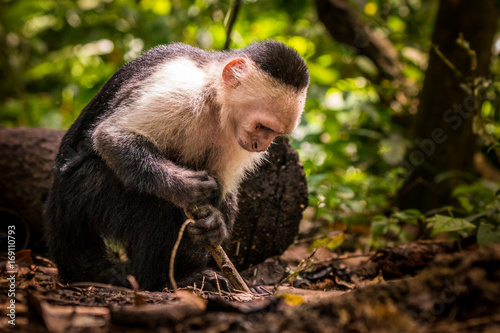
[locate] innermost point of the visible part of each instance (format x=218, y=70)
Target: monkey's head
x=265, y=90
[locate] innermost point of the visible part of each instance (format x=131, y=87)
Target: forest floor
x=420, y=287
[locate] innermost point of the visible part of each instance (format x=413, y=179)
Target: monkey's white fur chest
x=173, y=112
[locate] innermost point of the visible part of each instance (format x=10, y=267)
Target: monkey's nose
x=258, y=147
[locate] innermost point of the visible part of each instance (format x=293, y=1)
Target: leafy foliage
x=56, y=54
x=446, y=224
x=482, y=209
x=488, y=234
x=331, y=243
x=395, y=224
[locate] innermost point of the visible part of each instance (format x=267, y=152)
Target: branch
x=225, y=264
x=233, y=14
x=228, y=268
x=345, y=27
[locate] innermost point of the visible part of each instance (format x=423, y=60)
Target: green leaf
x=366, y=66
x=495, y=145
x=379, y=225
x=323, y=75
x=382, y=225
x=488, y=234
x=444, y=223
x=409, y=216
x=465, y=203
x=330, y=243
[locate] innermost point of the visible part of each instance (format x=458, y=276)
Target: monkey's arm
x=139, y=164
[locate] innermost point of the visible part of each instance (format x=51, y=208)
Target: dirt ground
x=421, y=287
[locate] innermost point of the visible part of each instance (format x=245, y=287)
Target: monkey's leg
x=150, y=248
x=78, y=216
x=77, y=249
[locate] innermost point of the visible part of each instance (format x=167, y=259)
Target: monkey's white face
x=258, y=122
x=257, y=130
x=261, y=108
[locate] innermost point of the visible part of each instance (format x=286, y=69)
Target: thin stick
x=228, y=268
x=217, y=281
x=447, y=61
x=174, y=252
x=202, y=283
x=138, y=298
x=225, y=264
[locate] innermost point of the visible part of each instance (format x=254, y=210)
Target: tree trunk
x=442, y=128
x=271, y=203
x=271, y=200
x=26, y=157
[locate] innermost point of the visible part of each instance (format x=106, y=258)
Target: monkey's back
x=119, y=90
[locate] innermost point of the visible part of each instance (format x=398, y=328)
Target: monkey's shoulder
x=168, y=52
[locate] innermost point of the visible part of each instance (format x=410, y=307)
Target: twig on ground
x=228, y=268
x=354, y=255
x=174, y=252
x=217, y=282
x=303, y=265
x=138, y=297
x=224, y=263
x=99, y=285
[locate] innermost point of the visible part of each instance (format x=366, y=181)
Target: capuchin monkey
x=175, y=129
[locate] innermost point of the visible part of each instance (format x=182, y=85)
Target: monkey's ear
x=229, y=74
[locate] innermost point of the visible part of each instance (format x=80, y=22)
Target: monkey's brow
x=277, y=132
x=282, y=132
x=271, y=129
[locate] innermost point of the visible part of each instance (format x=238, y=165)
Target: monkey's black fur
x=91, y=203
x=280, y=62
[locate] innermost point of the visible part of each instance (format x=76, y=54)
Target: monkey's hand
x=194, y=188
x=209, y=227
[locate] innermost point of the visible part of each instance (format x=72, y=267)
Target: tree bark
x=442, y=127
x=271, y=200
x=26, y=157
x=345, y=27
x=271, y=203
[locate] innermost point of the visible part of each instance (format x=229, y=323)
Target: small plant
x=482, y=207
x=395, y=224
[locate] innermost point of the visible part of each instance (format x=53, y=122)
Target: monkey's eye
x=262, y=127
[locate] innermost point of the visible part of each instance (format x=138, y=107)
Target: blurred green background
x=55, y=55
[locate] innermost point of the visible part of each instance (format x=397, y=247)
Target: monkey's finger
x=207, y=237
x=209, y=231
x=209, y=182
x=201, y=184
x=204, y=225
x=208, y=186
x=201, y=176
x=199, y=212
